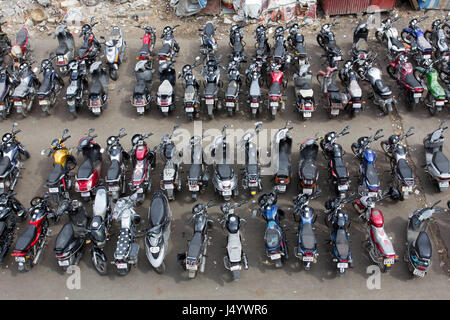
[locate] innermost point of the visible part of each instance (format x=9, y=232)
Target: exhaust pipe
x=39, y=253
x=202, y=266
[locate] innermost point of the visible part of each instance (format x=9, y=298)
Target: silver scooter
x=252, y=178
x=115, y=51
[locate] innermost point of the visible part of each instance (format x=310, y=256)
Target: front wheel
x=236, y=275
x=161, y=269
x=99, y=264
x=406, y=36
x=411, y=102
x=114, y=74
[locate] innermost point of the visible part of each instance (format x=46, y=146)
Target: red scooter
x=276, y=89
x=90, y=169
x=402, y=71
x=144, y=161
x=20, y=50
x=148, y=43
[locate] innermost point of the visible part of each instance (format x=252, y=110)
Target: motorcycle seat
x=195, y=245
x=96, y=88
x=211, y=89
x=123, y=243
x=62, y=49
x=233, y=89
x=21, y=36
x=55, y=175
x=5, y=164
x=224, y=171
x=140, y=88
x=252, y=169
x=45, y=87
x=372, y=175
x=440, y=161
x=279, y=51
x=308, y=170
x=395, y=42
x=113, y=171
x=412, y=82
x=423, y=245
x=381, y=88
x=255, y=90
x=145, y=50
x=308, y=238
x=22, y=89
x=209, y=29
x=336, y=97
x=275, y=88
x=27, y=238
x=158, y=211
x=332, y=87
x=404, y=170
x=65, y=237
x=195, y=171
x=165, y=50
x=339, y=168
x=85, y=170
x=237, y=47
x=272, y=237
x=342, y=246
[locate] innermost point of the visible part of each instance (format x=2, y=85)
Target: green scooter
x=436, y=97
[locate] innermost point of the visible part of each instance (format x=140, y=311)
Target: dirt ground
x=262, y=280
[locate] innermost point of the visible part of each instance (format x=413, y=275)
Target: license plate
x=275, y=256
x=113, y=188
x=20, y=259
x=60, y=59
x=342, y=265
x=274, y=104
x=235, y=268
x=121, y=265
x=230, y=104
x=407, y=189
x=63, y=263
x=443, y=184
x=342, y=188
x=2, y=185
x=308, y=259
x=427, y=56
x=372, y=194
x=194, y=188
x=281, y=188
x=356, y=106
x=338, y=58
x=189, y=109
x=419, y=273
x=307, y=114
x=417, y=95
x=18, y=103
x=154, y=249
x=140, y=190
x=2, y=107
x=210, y=101
x=85, y=194
x=440, y=103
x=227, y=193
x=43, y=102
x=168, y=186
x=334, y=112
x=389, y=261
x=254, y=105
x=165, y=109
x=191, y=267
x=53, y=190
x=307, y=191
x=140, y=109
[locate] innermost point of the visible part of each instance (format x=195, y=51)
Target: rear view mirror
x=43, y=152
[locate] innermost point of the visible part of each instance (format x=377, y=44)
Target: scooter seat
x=395, y=42
x=423, y=245
x=158, y=211
x=308, y=238
x=96, y=88
x=65, y=236
x=5, y=164
x=209, y=29
x=440, y=161
x=62, y=49
x=255, y=90
x=27, y=238
x=85, y=169
x=339, y=168
x=165, y=50
x=195, y=171
x=381, y=88
x=232, y=90
x=308, y=170
x=21, y=36
x=113, y=171
x=332, y=87
x=284, y=163
x=55, y=175
x=372, y=175
x=140, y=88
x=195, y=245
x=272, y=237
x=123, y=243
x=412, y=82
x=404, y=170
x=45, y=87
x=211, y=89
x=224, y=171
x=275, y=88
x=342, y=244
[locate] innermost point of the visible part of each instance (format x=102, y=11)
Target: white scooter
x=115, y=51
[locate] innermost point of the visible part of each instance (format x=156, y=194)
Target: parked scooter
x=115, y=51
x=306, y=251
x=10, y=210
x=282, y=145
x=237, y=43
x=225, y=181
x=13, y=152
x=401, y=172
x=402, y=71
x=66, y=48
x=388, y=35
x=194, y=259
x=211, y=72
x=304, y=93
x=337, y=170
x=71, y=239
x=276, y=99
x=308, y=172
x=368, y=177
x=21, y=49
x=338, y=222
x=59, y=181
x=90, y=169
x=142, y=90
x=50, y=87
x=235, y=255
x=157, y=238
x=421, y=49
x=30, y=245
x=198, y=177
x=170, y=177
x=234, y=86
x=336, y=100
x=437, y=164
x=119, y=158
x=297, y=43
x=127, y=248
x=274, y=238
x=98, y=90
x=378, y=245
x=327, y=41
x=191, y=96
x=90, y=47
x=148, y=43
x=144, y=160
x=165, y=97
x=354, y=92
x=76, y=89
x=253, y=80
x=418, y=247
x=27, y=85
x=252, y=179
x=207, y=39
x=7, y=84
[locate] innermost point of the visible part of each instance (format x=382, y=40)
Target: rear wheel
x=114, y=74
x=410, y=102
x=99, y=264
x=236, y=275
x=391, y=72
x=432, y=108
x=406, y=37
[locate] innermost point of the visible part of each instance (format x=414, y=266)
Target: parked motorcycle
x=170, y=178
x=144, y=160
x=388, y=35
x=274, y=237
x=306, y=251
x=336, y=100
x=235, y=257
x=148, y=43
x=198, y=177
x=252, y=179
x=59, y=181
x=24, y=93
x=437, y=164
x=421, y=49
x=77, y=86
x=50, y=87
x=207, y=39
x=400, y=170
x=30, y=245
x=308, y=172
x=354, y=92
x=119, y=158
x=157, y=238
x=296, y=41
x=115, y=51
x=98, y=90
x=7, y=84
x=337, y=170
x=5, y=43
x=21, y=49
x=211, y=72
x=327, y=41
x=66, y=48
x=253, y=80
x=89, y=172
x=170, y=45
x=90, y=47
x=13, y=152
x=282, y=145
x=437, y=37
x=280, y=55
x=304, y=93
x=237, y=43
x=368, y=176
x=165, y=97
x=276, y=99
x=262, y=42
x=234, y=86
x=191, y=96
x=10, y=210
x=142, y=90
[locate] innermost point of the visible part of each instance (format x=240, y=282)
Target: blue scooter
x=421, y=49
x=307, y=243
x=369, y=181
x=274, y=237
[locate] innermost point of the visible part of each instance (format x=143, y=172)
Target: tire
x=194, y=196
x=354, y=148
x=379, y=36
x=236, y=275
x=341, y=77
x=161, y=269
x=354, y=112
x=101, y=266
x=230, y=112
x=432, y=109
x=319, y=39
x=384, y=146
x=406, y=37
x=391, y=72
x=124, y=272
x=410, y=102
x=190, y=117
x=114, y=74
x=26, y=154
x=388, y=108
